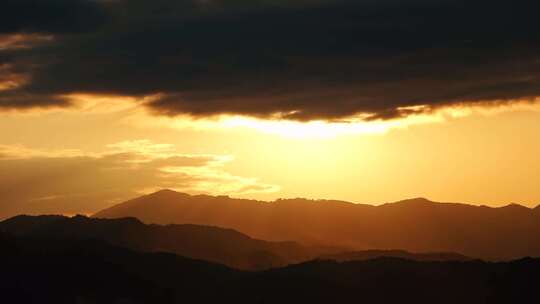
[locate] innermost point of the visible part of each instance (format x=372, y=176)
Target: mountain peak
x=417, y=201
x=165, y=192
x=516, y=207
x=421, y=199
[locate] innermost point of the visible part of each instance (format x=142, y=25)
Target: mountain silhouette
x=224, y=246
x=52, y=270
x=373, y=254
x=414, y=225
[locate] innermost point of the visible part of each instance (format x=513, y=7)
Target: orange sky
x=101, y=101
x=108, y=149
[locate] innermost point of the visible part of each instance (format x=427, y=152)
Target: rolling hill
x=48, y=270
x=224, y=246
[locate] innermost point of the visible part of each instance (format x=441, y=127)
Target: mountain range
x=415, y=225
x=170, y=247
x=214, y=244
x=51, y=270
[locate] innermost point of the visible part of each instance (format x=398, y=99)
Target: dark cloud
x=51, y=16
x=302, y=59
x=24, y=100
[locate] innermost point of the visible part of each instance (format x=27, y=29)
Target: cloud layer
x=69, y=181
x=309, y=59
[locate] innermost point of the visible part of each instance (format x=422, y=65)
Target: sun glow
x=135, y=115
x=326, y=129
x=356, y=126
x=284, y=128
x=306, y=130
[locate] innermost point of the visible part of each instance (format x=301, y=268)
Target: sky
x=365, y=101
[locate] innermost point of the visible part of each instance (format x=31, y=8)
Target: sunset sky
x=365, y=101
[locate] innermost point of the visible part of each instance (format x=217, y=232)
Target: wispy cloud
x=70, y=181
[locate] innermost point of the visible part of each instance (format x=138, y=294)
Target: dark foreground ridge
x=402, y=254
x=219, y=245
x=76, y=271
x=213, y=244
